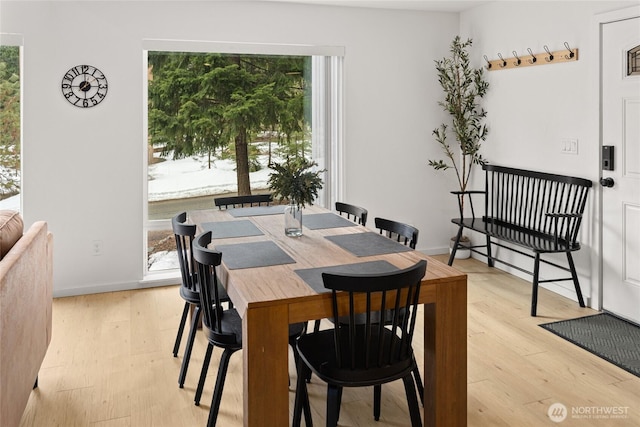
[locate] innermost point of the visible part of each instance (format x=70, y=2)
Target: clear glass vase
x=293, y=220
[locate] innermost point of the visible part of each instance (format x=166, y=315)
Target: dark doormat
x=604, y=335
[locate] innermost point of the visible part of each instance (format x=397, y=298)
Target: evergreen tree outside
x=9, y=121
x=203, y=103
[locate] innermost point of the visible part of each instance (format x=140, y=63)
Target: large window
x=10, y=135
x=217, y=121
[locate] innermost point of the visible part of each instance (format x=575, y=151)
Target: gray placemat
x=325, y=220
x=368, y=244
x=253, y=254
x=313, y=276
x=257, y=211
x=224, y=229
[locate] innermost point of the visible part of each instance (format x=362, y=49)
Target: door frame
x=599, y=21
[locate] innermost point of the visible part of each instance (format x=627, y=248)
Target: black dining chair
x=400, y=232
x=242, y=201
x=359, y=214
x=189, y=289
x=357, y=353
x=407, y=235
x=222, y=327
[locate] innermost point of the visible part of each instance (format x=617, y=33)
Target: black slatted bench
x=538, y=211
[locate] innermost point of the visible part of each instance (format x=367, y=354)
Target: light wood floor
x=110, y=365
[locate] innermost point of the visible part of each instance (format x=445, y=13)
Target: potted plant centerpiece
x=296, y=182
x=463, y=87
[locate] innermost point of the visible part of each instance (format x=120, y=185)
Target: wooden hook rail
x=545, y=58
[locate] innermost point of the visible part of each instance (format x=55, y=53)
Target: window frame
x=17, y=40
x=327, y=123
x=633, y=61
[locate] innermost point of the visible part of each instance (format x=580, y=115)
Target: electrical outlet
x=97, y=247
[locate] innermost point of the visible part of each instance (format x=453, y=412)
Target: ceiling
x=418, y=5
x=422, y=5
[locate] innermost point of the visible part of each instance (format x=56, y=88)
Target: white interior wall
x=531, y=110
x=83, y=168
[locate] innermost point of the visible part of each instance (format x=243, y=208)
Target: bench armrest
x=556, y=217
x=460, y=196
x=469, y=192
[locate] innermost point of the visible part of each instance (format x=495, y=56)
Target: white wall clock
x=84, y=86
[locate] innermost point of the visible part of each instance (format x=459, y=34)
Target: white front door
x=621, y=202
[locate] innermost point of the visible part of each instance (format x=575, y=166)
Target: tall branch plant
x=463, y=86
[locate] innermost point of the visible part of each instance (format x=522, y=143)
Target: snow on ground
x=163, y=260
x=191, y=177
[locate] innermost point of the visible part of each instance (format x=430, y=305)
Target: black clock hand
x=84, y=86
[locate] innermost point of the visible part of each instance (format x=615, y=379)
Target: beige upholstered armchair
x=26, y=288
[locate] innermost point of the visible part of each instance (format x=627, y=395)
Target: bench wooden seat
x=538, y=211
x=537, y=242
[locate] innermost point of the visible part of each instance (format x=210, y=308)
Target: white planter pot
x=461, y=253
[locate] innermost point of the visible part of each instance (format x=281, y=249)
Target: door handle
x=607, y=182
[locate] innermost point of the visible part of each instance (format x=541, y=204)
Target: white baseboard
x=434, y=251
x=150, y=282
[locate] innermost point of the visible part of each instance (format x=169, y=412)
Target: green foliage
x=294, y=147
x=295, y=181
x=9, y=121
x=463, y=86
x=200, y=102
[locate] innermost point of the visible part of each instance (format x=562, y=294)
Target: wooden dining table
x=271, y=296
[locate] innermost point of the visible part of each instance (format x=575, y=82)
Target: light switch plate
x=569, y=146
